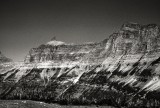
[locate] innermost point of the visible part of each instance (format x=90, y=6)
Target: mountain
x=5, y=63
x=4, y=59
x=58, y=52
x=122, y=70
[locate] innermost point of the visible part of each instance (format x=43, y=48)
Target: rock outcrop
x=122, y=70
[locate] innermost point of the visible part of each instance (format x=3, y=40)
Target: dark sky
x=25, y=24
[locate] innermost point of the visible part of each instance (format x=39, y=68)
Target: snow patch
x=55, y=43
x=152, y=84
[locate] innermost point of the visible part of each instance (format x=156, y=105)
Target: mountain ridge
x=122, y=70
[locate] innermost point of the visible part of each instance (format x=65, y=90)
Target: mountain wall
x=122, y=70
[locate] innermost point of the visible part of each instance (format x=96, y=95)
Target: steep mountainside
x=62, y=52
x=122, y=70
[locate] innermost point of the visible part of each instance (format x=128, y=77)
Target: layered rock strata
x=117, y=71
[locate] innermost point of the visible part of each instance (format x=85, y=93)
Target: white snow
x=55, y=43
x=8, y=75
x=155, y=86
x=45, y=65
x=20, y=73
x=152, y=84
x=62, y=71
x=78, y=77
x=44, y=74
x=130, y=80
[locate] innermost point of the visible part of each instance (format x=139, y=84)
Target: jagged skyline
x=28, y=24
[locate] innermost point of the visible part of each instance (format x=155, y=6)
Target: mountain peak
x=54, y=38
x=131, y=26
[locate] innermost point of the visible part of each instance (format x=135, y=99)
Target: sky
x=25, y=24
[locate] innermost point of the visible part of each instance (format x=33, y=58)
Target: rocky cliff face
x=122, y=70
x=62, y=52
x=131, y=39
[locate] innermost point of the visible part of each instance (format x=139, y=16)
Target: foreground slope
x=36, y=104
x=122, y=70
